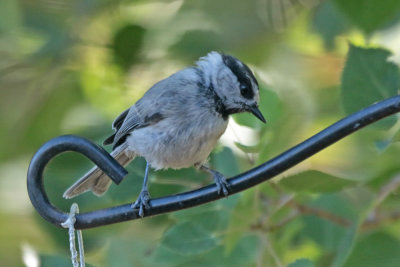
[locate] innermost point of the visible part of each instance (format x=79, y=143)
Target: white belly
x=176, y=144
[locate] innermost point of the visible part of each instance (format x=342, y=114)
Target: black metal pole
x=51, y=149
x=206, y=194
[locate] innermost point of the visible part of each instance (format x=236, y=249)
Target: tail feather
x=96, y=180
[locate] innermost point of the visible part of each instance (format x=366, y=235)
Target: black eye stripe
x=242, y=73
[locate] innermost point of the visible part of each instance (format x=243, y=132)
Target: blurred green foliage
x=69, y=67
x=368, y=77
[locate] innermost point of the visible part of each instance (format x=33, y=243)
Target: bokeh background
x=70, y=67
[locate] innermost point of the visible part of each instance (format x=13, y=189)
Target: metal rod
x=51, y=149
x=203, y=195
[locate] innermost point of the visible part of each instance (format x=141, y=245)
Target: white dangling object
x=69, y=223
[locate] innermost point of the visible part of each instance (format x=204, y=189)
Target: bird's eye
x=245, y=91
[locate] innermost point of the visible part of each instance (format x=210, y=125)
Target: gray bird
x=178, y=121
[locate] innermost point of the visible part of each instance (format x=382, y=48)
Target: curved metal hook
x=200, y=196
x=51, y=149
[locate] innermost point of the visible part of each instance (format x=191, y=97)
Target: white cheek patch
x=255, y=88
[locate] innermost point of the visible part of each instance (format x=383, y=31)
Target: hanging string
x=69, y=223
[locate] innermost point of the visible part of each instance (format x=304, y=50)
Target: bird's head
x=234, y=85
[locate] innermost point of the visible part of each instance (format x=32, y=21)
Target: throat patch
x=219, y=104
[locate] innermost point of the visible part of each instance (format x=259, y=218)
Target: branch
x=372, y=221
x=375, y=222
x=197, y=197
x=378, y=221
x=323, y=214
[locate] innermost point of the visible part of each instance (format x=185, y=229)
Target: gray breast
x=173, y=143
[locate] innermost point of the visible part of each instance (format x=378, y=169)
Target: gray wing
x=116, y=125
x=120, y=119
x=167, y=98
x=128, y=121
x=131, y=121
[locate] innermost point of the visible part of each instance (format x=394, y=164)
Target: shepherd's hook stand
x=188, y=199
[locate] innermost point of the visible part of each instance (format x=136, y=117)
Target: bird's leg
x=143, y=199
x=219, y=178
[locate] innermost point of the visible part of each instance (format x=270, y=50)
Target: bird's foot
x=142, y=202
x=221, y=182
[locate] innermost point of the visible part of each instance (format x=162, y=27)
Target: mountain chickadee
x=178, y=122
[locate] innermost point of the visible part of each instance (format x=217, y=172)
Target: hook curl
x=51, y=149
x=188, y=199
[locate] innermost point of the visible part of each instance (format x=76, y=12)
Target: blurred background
x=70, y=67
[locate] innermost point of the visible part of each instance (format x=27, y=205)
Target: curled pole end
x=54, y=147
x=95, y=153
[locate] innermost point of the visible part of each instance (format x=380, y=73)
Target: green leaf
x=349, y=241
x=127, y=45
x=346, y=246
x=208, y=220
x=225, y=162
x=302, y=263
x=54, y=260
x=315, y=182
x=396, y=137
x=370, y=15
x=165, y=257
x=329, y=23
x=126, y=252
x=376, y=249
x=189, y=238
x=368, y=77
x=383, y=177
x=240, y=220
x=382, y=145
x=327, y=234
x=243, y=254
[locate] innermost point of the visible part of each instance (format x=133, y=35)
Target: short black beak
x=256, y=112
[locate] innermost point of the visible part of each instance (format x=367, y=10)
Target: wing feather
x=132, y=121
x=120, y=119
x=129, y=121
